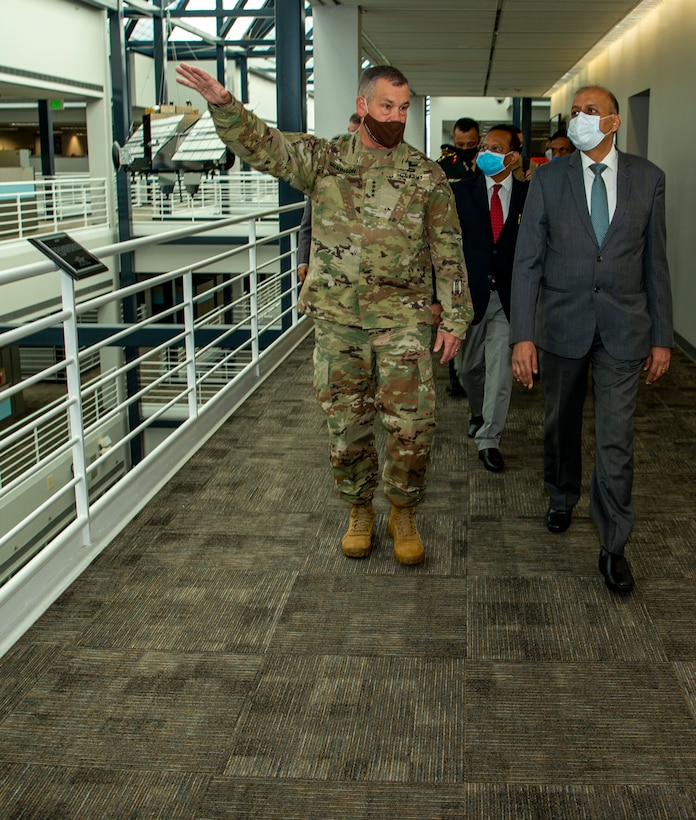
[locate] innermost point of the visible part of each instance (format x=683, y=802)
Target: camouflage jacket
x=382, y=223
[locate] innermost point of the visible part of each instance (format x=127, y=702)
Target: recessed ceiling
x=484, y=48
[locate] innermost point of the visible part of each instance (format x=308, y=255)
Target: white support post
x=253, y=293
x=75, y=420
x=20, y=223
x=190, y=343
x=54, y=202
x=294, y=280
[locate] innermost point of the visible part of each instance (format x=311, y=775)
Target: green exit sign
x=55, y=105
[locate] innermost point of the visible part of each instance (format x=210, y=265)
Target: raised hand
x=205, y=84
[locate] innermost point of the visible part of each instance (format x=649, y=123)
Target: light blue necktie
x=599, y=206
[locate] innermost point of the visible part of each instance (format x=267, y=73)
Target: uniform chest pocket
x=334, y=199
x=401, y=198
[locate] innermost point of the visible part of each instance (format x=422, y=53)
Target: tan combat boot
x=357, y=542
x=408, y=547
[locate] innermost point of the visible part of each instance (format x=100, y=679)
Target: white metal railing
x=49, y=204
x=37, y=437
x=68, y=479
x=190, y=196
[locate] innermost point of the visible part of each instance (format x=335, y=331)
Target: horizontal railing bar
x=12, y=337
x=32, y=426
x=38, y=511
x=37, y=467
x=119, y=248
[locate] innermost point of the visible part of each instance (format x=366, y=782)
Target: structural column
x=522, y=118
x=159, y=39
x=292, y=111
x=127, y=274
x=48, y=161
x=337, y=63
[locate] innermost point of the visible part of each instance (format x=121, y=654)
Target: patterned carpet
x=223, y=659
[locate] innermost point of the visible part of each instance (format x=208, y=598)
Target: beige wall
x=659, y=55
x=54, y=41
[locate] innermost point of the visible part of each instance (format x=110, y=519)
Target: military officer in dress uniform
x=458, y=161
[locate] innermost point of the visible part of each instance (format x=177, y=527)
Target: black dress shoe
x=558, y=520
x=616, y=572
x=492, y=460
x=475, y=424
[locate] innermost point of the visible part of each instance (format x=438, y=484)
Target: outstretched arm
x=291, y=157
x=205, y=84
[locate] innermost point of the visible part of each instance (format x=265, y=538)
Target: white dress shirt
x=503, y=193
x=608, y=175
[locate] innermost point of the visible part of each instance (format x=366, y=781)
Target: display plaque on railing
x=68, y=255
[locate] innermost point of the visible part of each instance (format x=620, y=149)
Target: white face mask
x=548, y=154
x=584, y=131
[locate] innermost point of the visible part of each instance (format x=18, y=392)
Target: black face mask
x=467, y=155
x=386, y=134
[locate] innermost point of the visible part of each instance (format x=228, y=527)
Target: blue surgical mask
x=584, y=131
x=491, y=163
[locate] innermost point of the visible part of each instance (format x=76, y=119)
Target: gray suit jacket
x=564, y=286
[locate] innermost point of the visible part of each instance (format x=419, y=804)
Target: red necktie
x=496, y=212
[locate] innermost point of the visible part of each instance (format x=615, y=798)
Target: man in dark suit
x=489, y=207
x=458, y=161
x=591, y=287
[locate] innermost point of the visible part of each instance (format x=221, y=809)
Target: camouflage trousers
x=359, y=374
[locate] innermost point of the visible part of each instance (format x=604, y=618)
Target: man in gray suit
x=591, y=287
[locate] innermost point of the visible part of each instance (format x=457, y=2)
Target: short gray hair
x=369, y=78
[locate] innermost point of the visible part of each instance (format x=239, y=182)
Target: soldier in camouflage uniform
x=383, y=217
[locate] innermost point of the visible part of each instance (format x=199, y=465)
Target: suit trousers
x=486, y=372
x=615, y=390
x=359, y=375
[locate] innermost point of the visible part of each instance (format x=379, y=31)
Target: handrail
x=24, y=272
x=161, y=391
x=31, y=205
x=210, y=196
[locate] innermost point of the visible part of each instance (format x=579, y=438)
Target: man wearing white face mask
x=591, y=289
